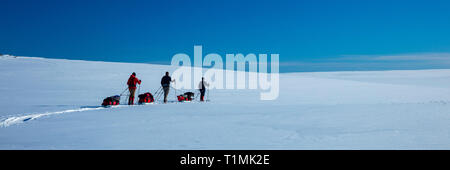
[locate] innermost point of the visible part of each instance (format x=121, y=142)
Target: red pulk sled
x=113, y=100
x=145, y=98
x=185, y=97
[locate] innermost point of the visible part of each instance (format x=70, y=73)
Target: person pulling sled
x=202, y=87
x=132, y=81
x=165, y=83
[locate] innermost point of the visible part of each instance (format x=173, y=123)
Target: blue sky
x=316, y=35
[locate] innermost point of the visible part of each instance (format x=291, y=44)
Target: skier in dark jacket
x=132, y=81
x=165, y=83
x=202, y=87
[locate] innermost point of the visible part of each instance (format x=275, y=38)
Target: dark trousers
x=166, y=92
x=202, y=94
x=131, y=98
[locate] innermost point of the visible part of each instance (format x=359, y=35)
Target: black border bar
x=274, y=159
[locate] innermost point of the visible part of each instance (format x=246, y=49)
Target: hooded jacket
x=132, y=81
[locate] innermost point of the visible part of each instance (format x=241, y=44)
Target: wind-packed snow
x=53, y=104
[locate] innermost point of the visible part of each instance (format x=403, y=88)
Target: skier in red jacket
x=132, y=81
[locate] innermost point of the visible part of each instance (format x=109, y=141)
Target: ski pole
x=139, y=89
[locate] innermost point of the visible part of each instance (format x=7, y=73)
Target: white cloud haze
x=372, y=62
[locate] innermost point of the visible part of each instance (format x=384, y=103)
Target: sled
x=111, y=101
x=185, y=97
x=146, y=98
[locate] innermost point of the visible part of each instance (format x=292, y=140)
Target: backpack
x=131, y=82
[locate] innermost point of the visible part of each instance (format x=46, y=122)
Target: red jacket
x=132, y=82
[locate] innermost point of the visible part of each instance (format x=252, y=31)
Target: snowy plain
x=53, y=104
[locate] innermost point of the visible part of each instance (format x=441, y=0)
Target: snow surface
x=53, y=104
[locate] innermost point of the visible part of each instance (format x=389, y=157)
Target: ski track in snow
x=20, y=119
